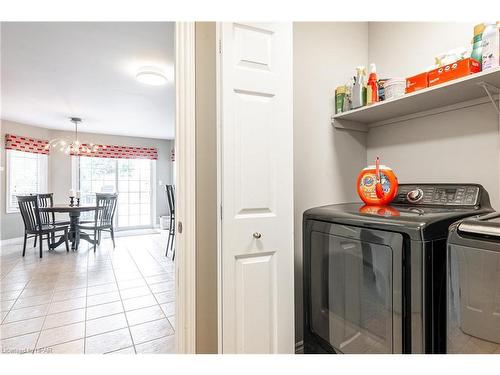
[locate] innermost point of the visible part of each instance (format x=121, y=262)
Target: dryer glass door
x=473, y=300
x=352, y=292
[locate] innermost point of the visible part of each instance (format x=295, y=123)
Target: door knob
x=257, y=235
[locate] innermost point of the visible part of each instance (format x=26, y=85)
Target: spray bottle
x=358, y=89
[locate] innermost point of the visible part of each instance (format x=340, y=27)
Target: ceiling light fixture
x=151, y=76
x=73, y=146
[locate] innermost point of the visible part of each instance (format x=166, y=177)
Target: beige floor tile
x=12, y=286
x=72, y=347
x=26, y=313
x=36, y=292
x=101, y=280
x=165, y=297
x=164, y=345
x=168, y=308
x=139, y=302
x=19, y=344
x=7, y=305
x=104, y=310
x=159, y=278
x=108, y=342
x=67, y=305
x=129, y=350
x=151, y=330
x=135, y=292
x=127, y=276
x=131, y=284
x=32, y=301
x=64, y=318
x=162, y=287
x=99, y=299
x=12, y=295
x=105, y=324
x=99, y=289
x=69, y=294
x=70, y=285
x=60, y=335
x=22, y=327
x=144, y=315
x=171, y=319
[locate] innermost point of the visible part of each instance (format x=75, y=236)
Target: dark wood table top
x=68, y=208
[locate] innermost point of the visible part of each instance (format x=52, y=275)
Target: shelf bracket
x=349, y=125
x=488, y=88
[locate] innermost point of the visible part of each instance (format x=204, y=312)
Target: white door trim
x=218, y=31
x=185, y=242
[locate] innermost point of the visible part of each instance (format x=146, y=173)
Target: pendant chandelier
x=73, y=147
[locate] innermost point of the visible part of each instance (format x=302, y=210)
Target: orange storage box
x=418, y=82
x=453, y=71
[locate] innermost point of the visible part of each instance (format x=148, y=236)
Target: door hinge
x=221, y=211
x=220, y=46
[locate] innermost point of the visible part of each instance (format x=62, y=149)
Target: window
x=26, y=174
x=130, y=178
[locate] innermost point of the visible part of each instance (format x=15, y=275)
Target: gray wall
x=326, y=161
x=60, y=168
x=206, y=189
x=457, y=146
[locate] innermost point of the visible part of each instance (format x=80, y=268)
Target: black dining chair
x=170, y=193
x=35, y=227
x=103, y=218
x=47, y=200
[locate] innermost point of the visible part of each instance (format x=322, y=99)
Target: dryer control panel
x=438, y=195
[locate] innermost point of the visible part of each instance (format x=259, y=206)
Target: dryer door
x=474, y=299
x=355, y=288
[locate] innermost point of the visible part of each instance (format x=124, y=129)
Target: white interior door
x=256, y=111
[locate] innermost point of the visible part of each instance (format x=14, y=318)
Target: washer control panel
x=438, y=195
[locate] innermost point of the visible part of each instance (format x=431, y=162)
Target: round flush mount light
x=151, y=76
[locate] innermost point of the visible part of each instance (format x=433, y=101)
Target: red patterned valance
x=118, y=152
x=20, y=143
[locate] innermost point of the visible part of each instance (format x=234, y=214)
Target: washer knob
x=414, y=196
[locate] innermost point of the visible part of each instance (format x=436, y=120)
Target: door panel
x=256, y=303
x=257, y=164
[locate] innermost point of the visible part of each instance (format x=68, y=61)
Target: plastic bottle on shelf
x=490, y=46
x=358, y=89
x=477, y=48
x=372, y=87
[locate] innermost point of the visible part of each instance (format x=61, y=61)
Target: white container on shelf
x=491, y=46
x=394, y=88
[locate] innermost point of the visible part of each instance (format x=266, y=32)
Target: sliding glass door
x=130, y=178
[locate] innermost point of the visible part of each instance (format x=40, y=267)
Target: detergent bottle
x=372, y=85
x=377, y=184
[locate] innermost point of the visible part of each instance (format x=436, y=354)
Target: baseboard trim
x=12, y=241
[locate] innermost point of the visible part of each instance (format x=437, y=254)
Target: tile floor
x=113, y=301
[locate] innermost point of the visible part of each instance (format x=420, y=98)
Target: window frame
x=76, y=173
x=43, y=175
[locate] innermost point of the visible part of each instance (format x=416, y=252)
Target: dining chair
x=103, y=218
x=170, y=192
x=34, y=226
x=47, y=200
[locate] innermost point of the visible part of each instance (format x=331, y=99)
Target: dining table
x=74, y=212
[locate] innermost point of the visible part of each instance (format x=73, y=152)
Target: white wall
x=60, y=168
x=326, y=161
x=458, y=146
